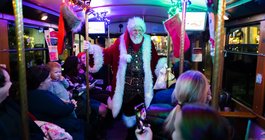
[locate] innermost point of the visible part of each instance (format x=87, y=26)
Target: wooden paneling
x=4, y=54
x=238, y=114
x=252, y=19
x=258, y=103
x=259, y=119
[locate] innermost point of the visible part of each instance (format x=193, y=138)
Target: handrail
x=28, y=21
x=259, y=119
x=246, y=113
x=254, y=54
x=18, y=12
x=242, y=105
x=27, y=49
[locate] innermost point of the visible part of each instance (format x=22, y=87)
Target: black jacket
x=10, y=123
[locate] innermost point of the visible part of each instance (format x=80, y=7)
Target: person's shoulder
x=163, y=91
x=4, y=107
x=56, y=83
x=53, y=83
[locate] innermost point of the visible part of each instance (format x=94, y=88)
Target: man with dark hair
x=186, y=67
x=164, y=96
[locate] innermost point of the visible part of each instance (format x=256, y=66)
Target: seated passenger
x=98, y=91
x=10, y=115
x=74, y=70
x=71, y=71
x=59, y=84
x=195, y=122
x=164, y=96
x=103, y=72
x=71, y=68
x=191, y=87
x=48, y=107
x=82, y=61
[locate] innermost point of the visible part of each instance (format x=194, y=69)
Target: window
x=244, y=35
x=240, y=63
x=36, y=51
x=160, y=44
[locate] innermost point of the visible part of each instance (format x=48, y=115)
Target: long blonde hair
x=191, y=87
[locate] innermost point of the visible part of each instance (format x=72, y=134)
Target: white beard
x=136, y=39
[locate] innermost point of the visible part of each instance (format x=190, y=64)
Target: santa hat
x=136, y=21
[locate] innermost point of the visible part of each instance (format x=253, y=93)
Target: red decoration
x=61, y=33
x=173, y=26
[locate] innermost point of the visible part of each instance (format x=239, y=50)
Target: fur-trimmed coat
x=116, y=56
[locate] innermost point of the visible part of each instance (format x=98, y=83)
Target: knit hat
x=136, y=21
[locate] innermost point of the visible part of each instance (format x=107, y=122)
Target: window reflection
x=244, y=35
x=160, y=44
x=239, y=76
x=240, y=63
x=35, y=51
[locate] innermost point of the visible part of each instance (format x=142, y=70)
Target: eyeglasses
x=137, y=31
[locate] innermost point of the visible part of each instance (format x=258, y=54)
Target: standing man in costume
x=134, y=61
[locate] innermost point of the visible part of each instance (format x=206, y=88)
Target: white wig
x=136, y=21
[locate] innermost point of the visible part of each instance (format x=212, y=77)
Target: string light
x=176, y=7
x=84, y=4
x=100, y=16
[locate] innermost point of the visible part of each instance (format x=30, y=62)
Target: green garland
x=176, y=7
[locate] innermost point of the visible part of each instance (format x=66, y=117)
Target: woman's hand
x=91, y=86
x=102, y=110
x=74, y=102
x=109, y=88
x=146, y=135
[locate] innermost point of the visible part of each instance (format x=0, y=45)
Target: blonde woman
x=196, y=121
x=191, y=87
x=10, y=114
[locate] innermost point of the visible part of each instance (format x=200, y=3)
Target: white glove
x=88, y=46
x=126, y=57
x=163, y=70
x=109, y=103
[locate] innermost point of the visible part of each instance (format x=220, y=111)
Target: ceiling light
x=226, y=17
x=44, y=16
